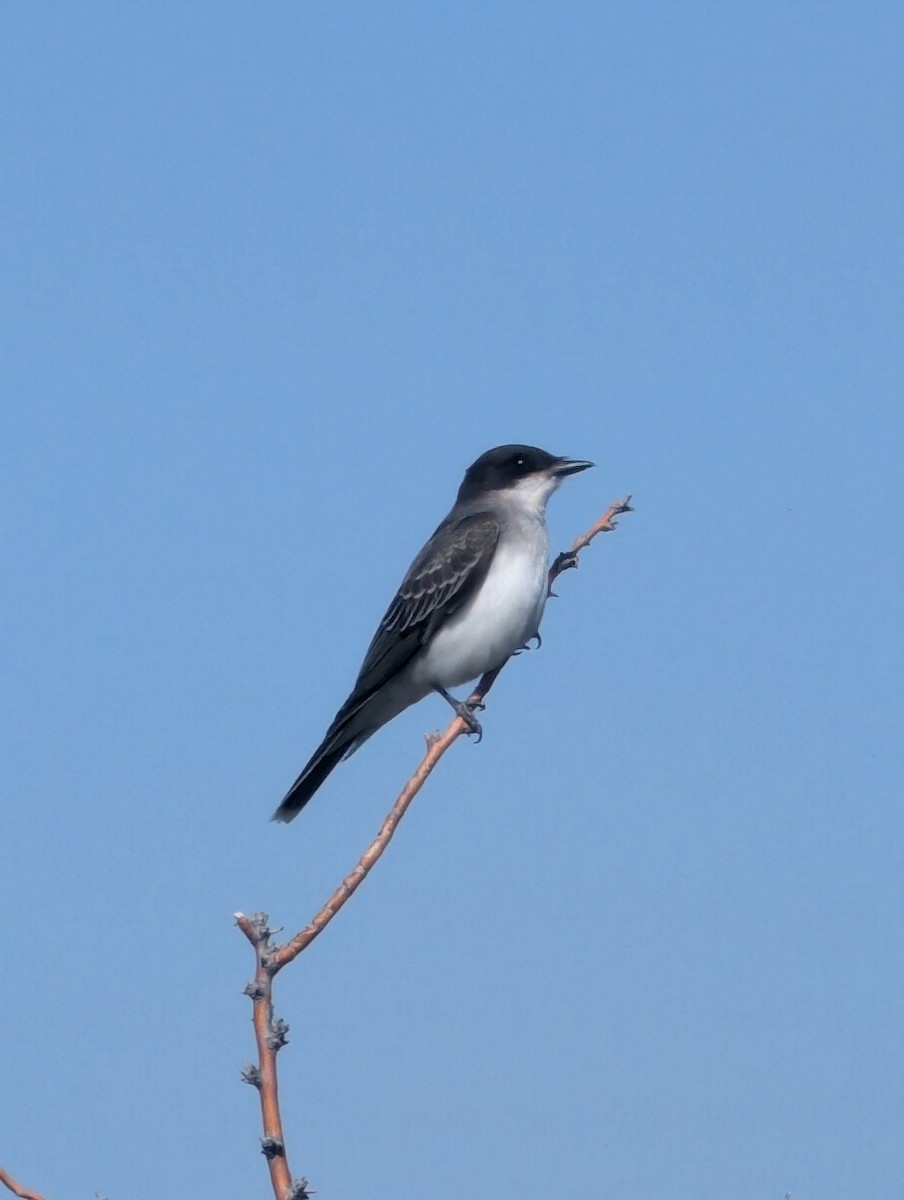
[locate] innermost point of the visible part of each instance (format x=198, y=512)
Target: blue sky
x=274, y=275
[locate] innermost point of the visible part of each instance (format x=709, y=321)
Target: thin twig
x=607, y=523
x=269, y=959
x=437, y=747
x=17, y=1189
x=270, y=1036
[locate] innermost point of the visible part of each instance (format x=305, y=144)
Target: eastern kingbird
x=472, y=597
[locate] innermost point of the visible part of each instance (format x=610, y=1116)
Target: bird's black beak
x=570, y=466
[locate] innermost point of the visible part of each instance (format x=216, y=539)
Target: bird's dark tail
x=307, y=783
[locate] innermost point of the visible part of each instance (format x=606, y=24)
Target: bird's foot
x=465, y=709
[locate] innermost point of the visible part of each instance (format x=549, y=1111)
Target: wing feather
x=443, y=577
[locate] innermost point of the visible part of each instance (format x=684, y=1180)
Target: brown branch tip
x=16, y=1188
x=607, y=523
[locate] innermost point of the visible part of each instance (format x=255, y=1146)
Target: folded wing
x=442, y=578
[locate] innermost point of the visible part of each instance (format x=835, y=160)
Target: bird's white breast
x=500, y=617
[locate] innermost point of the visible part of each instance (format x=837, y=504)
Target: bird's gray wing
x=443, y=577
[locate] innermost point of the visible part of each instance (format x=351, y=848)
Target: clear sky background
x=273, y=276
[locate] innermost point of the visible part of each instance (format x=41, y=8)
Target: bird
x=472, y=598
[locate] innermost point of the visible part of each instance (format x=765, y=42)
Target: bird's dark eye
x=518, y=460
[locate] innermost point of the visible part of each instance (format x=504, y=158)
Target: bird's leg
x=474, y=703
x=475, y=700
x=464, y=709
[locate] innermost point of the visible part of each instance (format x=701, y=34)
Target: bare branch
x=347, y=888
x=263, y=1077
x=17, y=1189
x=607, y=523
x=269, y=959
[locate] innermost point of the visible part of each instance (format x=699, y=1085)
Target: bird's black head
x=510, y=466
